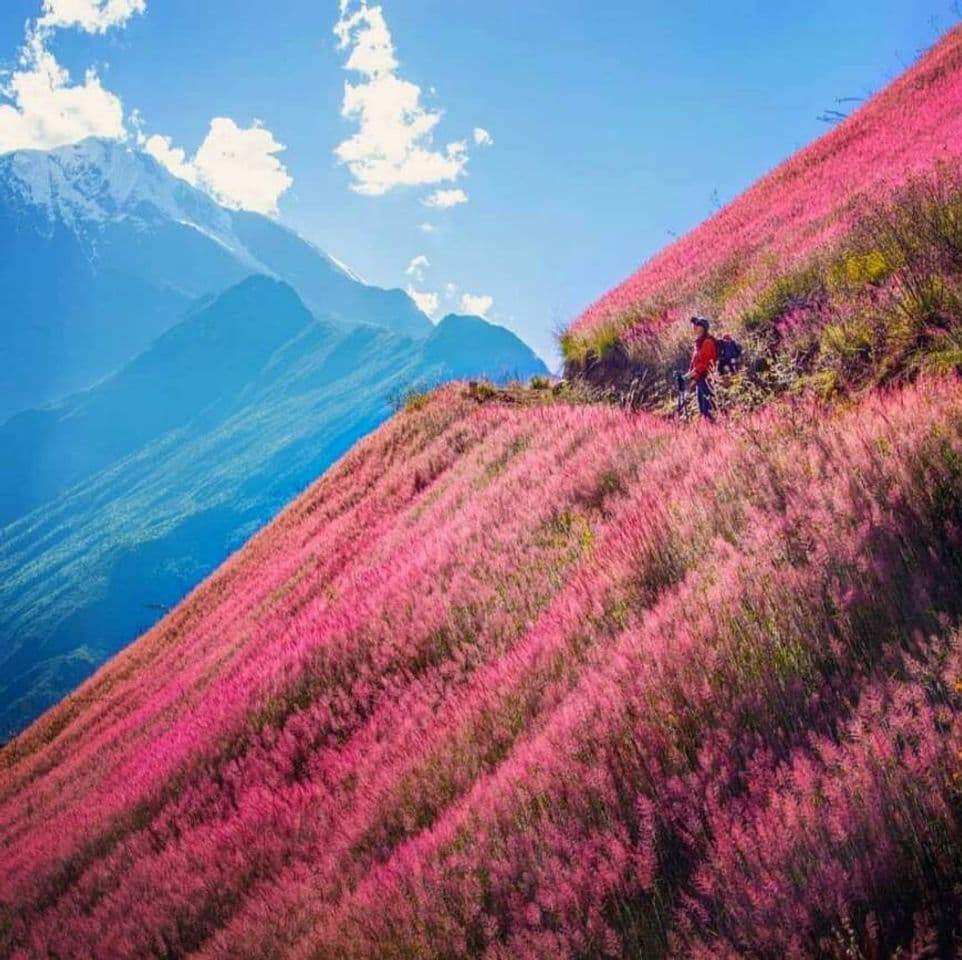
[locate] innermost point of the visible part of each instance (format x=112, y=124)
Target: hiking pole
x=680, y=381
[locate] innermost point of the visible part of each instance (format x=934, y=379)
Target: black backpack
x=729, y=353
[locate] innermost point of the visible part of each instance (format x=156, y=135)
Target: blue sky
x=614, y=124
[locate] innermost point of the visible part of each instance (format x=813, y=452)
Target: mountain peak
x=459, y=339
x=257, y=288
x=96, y=182
x=132, y=246
x=463, y=321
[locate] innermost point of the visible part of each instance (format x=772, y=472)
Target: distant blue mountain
x=174, y=373
x=101, y=249
x=472, y=347
x=328, y=288
x=118, y=500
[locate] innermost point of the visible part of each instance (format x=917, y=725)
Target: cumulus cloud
x=427, y=302
x=443, y=199
x=482, y=138
x=427, y=228
x=394, y=142
x=416, y=267
x=171, y=157
x=240, y=166
x=92, y=16
x=45, y=110
x=477, y=306
x=237, y=166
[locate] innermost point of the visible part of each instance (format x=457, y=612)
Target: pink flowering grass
x=551, y=681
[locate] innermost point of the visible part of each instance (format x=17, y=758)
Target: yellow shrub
x=859, y=269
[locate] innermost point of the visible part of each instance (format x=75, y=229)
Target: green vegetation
x=801, y=289
x=576, y=348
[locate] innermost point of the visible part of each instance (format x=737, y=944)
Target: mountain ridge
x=135, y=246
x=116, y=500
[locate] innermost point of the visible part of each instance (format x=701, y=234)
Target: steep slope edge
x=117, y=501
x=840, y=269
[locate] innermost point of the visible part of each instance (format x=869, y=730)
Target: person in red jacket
x=703, y=360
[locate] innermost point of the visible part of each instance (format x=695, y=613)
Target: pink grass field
x=808, y=201
x=546, y=680
x=514, y=682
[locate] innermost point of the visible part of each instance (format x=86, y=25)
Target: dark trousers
x=706, y=398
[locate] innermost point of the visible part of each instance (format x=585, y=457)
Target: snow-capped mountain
x=101, y=249
x=96, y=182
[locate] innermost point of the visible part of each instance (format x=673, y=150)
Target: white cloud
x=416, y=267
x=427, y=302
x=450, y=290
x=482, y=138
x=477, y=306
x=443, y=199
x=92, y=16
x=237, y=166
x=373, y=52
x=47, y=111
x=240, y=167
x=44, y=109
x=427, y=228
x=171, y=157
x=394, y=142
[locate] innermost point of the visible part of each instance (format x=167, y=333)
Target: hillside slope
x=839, y=270
x=526, y=675
x=537, y=681
x=803, y=204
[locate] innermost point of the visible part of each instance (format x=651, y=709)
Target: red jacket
x=704, y=357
